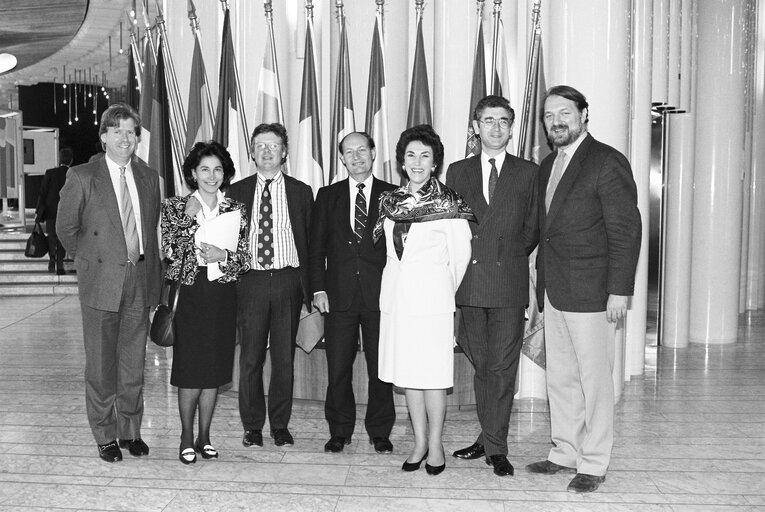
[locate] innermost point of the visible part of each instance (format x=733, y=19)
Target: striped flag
x=477, y=91
x=133, y=94
x=160, y=148
x=198, y=123
x=377, y=106
x=343, y=122
x=309, y=160
x=419, y=94
x=536, y=146
x=146, y=100
x=268, y=105
x=228, y=130
x=500, y=81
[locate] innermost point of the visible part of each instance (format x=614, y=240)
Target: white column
x=659, y=93
x=570, y=57
x=640, y=159
x=718, y=195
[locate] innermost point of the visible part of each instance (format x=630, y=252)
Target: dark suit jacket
x=590, y=239
x=299, y=203
x=336, y=260
x=506, y=232
x=47, y=202
x=90, y=228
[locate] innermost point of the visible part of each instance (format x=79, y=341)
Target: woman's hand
x=192, y=207
x=211, y=254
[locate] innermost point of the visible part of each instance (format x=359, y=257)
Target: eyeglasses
x=273, y=146
x=502, y=122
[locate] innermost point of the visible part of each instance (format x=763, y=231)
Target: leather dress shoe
x=414, y=466
x=207, y=451
x=585, y=483
x=502, y=466
x=187, y=455
x=381, y=444
x=435, y=470
x=473, y=451
x=252, y=437
x=336, y=444
x=546, y=467
x=282, y=436
x=110, y=452
x=136, y=447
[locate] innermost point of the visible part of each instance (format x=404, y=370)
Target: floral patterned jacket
x=178, y=239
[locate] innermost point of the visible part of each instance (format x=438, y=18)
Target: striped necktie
x=555, y=176
x=360, y=215
x=128, y=220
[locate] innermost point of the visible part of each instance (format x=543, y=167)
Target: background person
x=47, y=208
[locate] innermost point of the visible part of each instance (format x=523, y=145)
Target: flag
x=535, y=144
x=228, y=127
x=133, y=94
x=309, y=160
x=376, y=124
x=343, y=122
x=419, y=94
x=477, y=91
x=160, y=147
x=198, y=122
x=268, y=105
x=146, y=100
x=500, y=82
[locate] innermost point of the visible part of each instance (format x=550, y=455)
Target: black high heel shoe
x=435, y=470
x=414, y=466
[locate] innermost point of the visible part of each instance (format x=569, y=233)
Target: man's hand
x=321, y=301
x=616, y=309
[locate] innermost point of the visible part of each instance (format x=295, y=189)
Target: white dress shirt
x=499, y=160
x=353, y=190
x=285, y=250
x=114, y=174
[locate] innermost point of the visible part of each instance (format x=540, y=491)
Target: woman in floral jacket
x=203, y=353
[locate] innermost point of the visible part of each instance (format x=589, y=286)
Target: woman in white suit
x=428, y=250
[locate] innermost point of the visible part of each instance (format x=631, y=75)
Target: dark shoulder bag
x=37, y=244
x=162, y=330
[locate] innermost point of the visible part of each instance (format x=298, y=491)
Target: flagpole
x=495, y=45
x=194, y=22
x=239, y=99
x=178, y=119
x=269, y=13
x=136, y=53
x=532, y=73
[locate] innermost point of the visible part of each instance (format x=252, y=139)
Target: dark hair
x=427, y=135
x=492, y=101
x=568, y=92
x=202, y=150
x=115, y=113
x=277, y=129
x=370, y=140
x=65, y=156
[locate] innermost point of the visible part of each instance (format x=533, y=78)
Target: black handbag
x=37, y=243
x=162, y=331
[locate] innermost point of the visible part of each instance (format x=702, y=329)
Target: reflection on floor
x=690, y=436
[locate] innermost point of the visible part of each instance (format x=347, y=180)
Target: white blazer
x=425, y=280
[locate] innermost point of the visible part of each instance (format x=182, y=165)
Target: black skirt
x=203, y=354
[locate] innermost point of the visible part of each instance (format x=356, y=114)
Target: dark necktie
x=493, y=177
x=555, y=176
x=360, y=214
x=266, y=229
x=400, y=230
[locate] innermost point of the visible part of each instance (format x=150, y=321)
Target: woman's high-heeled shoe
x=187, y=455
x=207, y=451
x=435, y=470
x=414, y=466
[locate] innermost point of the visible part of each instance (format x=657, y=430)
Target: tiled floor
x=690, y=436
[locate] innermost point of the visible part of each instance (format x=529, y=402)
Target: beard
x=566, y=137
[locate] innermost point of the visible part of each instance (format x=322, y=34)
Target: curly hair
x=427, y=135
x=202, y=150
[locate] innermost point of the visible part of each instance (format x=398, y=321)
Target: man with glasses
x=501, y=189
x=271, y=295
x=346, y=271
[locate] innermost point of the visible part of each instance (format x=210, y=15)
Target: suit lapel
x=475, y=188
x=143, y=188
x=343, y=208
x=373, y=211
x=106, y=194
x=569, y=177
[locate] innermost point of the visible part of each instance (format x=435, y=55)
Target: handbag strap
x=180, y=277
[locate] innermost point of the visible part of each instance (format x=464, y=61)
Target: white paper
x=221, y=231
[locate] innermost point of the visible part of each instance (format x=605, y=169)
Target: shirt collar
x=278, y=178
x=220, y=197
x=367, y=184
x=498, y=160
x=571, y=149
x=114, y=167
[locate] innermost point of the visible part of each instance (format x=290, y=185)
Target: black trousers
x=268, y=312
x=341, y=332
x=56, y=251
x=494, y=341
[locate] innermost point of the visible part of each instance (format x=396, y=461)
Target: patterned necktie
x=493, y=177
x=265, y=229
x=360, y=214
x=555, y=176
x=128, y=220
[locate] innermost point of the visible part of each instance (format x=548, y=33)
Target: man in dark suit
x=107, y=220
x=590, y=231
x=346, y=270
x=47, y=207
x=270, y=296
x=501, y=190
